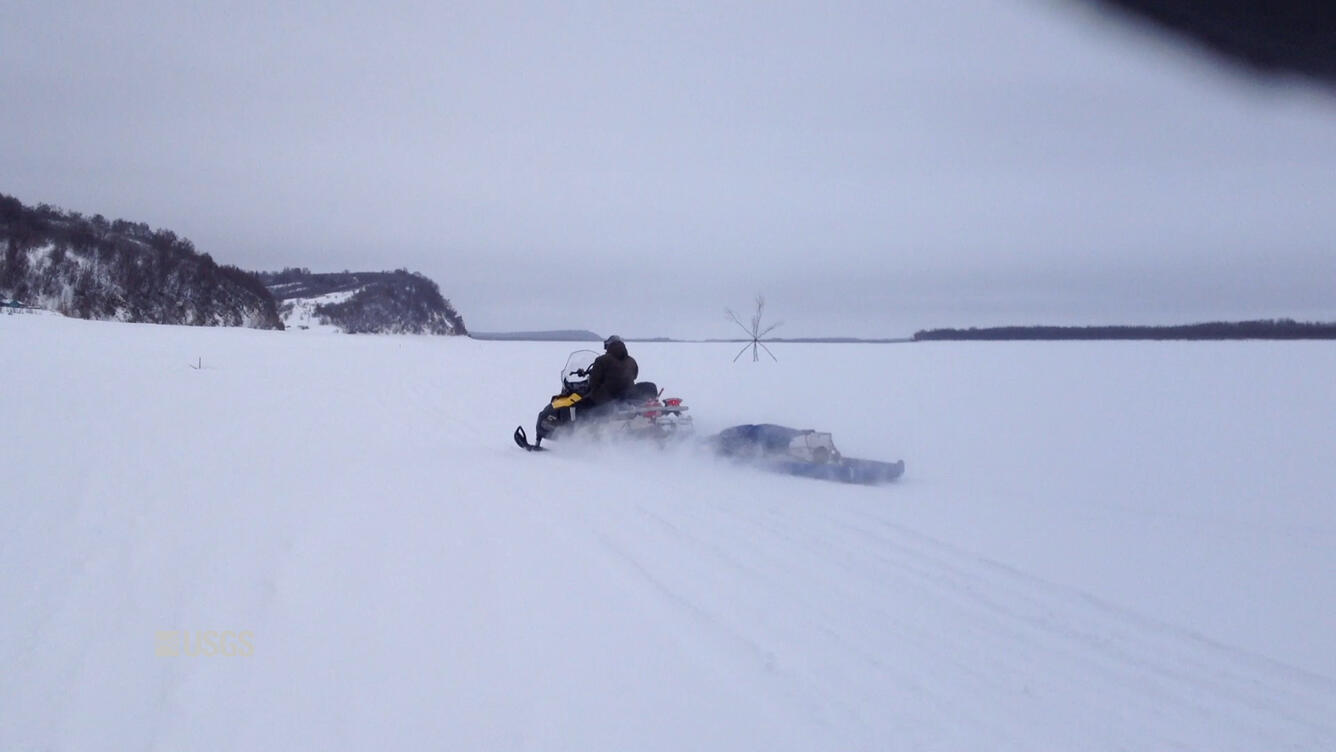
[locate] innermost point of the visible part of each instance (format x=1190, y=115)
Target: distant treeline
x=1267, y=329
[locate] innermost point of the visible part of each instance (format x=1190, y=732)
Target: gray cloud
x=874, y=167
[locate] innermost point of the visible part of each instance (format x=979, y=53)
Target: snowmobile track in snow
x=1013, y=644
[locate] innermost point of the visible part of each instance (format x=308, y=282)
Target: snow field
x=1095, y=546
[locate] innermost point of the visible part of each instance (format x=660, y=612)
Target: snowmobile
x=803, y=452
x=642, y=414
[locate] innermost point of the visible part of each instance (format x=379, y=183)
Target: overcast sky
x=872, y=167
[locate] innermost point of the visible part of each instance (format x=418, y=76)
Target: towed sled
x=803, y=452
x=642, y=414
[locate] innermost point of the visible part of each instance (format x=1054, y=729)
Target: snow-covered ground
x=299, y=315
x=1095, y=546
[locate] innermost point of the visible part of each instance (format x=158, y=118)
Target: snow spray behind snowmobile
x=641, y=414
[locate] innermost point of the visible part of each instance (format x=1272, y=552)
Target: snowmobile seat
x=641, y=391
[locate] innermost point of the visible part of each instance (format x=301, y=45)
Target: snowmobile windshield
x=575, y=376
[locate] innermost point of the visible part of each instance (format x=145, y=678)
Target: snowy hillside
x=93, y=268
x=1096, y=546
x=397, y=302
x=302, y=314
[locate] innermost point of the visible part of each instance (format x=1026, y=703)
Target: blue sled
x=843, y=470
x=805, y=453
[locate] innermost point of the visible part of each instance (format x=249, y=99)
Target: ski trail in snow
x=1016, y=642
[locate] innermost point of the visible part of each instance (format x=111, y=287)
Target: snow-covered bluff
x=398, y=302
x=93, y=268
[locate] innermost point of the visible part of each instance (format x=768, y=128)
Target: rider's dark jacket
x=612, y=375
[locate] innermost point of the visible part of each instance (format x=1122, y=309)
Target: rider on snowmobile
x=608, y=379
x=612, y=375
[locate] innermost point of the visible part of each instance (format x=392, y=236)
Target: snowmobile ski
x=522, y=439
